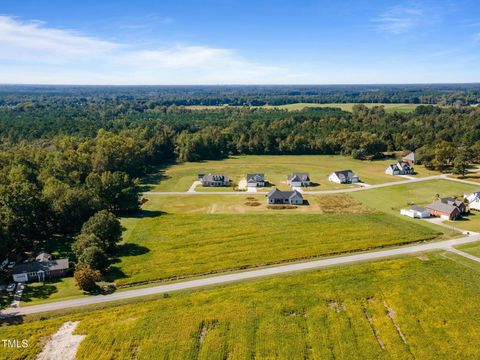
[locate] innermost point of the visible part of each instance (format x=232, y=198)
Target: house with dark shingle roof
x=400, y=168
x=38, y=271
x=255, y=180
x=344, y=177
x=276, y=196
x=215, y=180
x=452, y=201
x=298, y=179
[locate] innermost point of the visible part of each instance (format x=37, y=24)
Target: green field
x=61, y=289
x=423, y=307
x=204, y=234
x=392, y=199
x=180, y=177
x=389, y=108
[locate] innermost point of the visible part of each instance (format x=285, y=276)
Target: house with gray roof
x=255, y=180
x=444, y=210
x=39, y=271
x=458, y=203
x=473, y=199
x=215, y=180
x=344, y=177
x=298, y=179
x=276, y=196
x=400, y=168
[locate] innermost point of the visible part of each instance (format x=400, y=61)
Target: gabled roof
x=43, y=257
x=393, y=167
x=298, y=176
x=410, y=156
x=442, y=207
x=60, y=264
x=451, y=201
x=283, y=195
x=255, y=177
x=215, y=177
x=403, y=164
x=345, y=174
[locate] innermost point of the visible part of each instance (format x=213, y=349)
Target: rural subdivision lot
x=369, y=310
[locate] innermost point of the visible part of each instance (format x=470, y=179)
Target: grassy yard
x=423, y=307
x=61, y=289
x=181, y=176
x=392, y=199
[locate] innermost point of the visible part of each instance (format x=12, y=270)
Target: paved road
x=223, y=279
x=360, y=188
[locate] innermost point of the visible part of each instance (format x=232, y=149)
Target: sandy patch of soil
x=63, y=344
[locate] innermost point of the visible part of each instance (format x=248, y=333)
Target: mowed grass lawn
x=392, y=199
x=180, y=244
x=180, y=177
x=423, y=307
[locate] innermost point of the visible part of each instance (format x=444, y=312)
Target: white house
x=415, y=212
x=473, y=199
x=255, y=180
x=400, y=168
x=344, y=177
x=298, y=179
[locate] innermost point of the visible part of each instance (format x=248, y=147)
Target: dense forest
x=70, y=154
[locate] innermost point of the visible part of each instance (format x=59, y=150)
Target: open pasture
x=423, y=307
x=180, y=177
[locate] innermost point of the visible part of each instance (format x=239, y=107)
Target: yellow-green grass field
x=423, y=307
x=206, y=234
x=180, y=177
x=300, y=106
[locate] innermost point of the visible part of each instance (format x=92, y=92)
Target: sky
x=145, y=42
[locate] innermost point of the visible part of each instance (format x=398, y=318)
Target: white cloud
x=400, y=19
x=31, y=52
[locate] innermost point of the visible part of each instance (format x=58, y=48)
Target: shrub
x=93, y=257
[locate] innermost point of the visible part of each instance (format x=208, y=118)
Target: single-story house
x=410, y=158
x=255, y=180
x=38, y=271
x=452, y=201
x=276, y=196
x=344, y=177
x=415, y=212
x=473, y=199
x=215, y=180
x=298, y=179
x=444, y=210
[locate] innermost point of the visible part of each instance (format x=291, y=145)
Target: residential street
x=360, y=188
x=223, y=279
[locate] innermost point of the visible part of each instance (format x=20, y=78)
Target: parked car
x=11, y=265
x=11, y=287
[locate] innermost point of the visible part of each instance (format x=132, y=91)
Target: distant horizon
x=240, y=85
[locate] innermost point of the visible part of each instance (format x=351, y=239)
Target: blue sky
x=239, y=42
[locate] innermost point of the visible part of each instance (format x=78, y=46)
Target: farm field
x=195, y=237
x=180, y=177
x=379, y=310
x=389, y=108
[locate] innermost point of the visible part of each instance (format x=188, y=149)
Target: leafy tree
x=106, y=227
x=461, y=161
x=93, y=257
x=86, y=277
x=444, y=153
x=86, y=240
